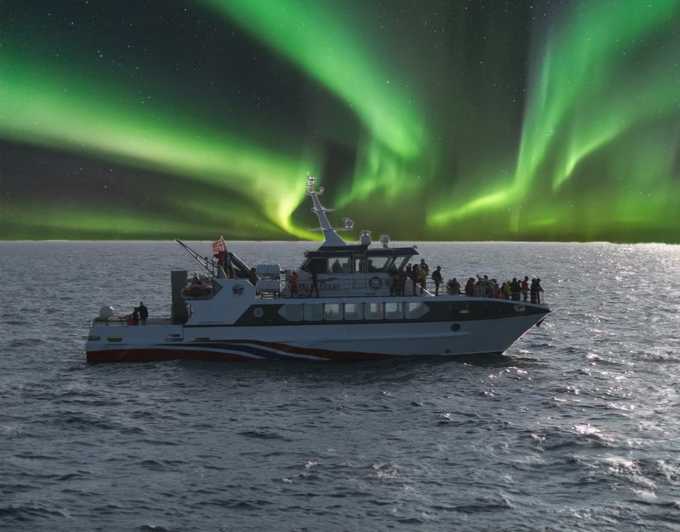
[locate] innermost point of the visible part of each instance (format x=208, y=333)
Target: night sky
x=436, y=119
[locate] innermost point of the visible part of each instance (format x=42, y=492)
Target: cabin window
x=313, y=312
x=374, y=311
x=393, y=311
x=332, y=312
x=377, y=264
x=292, y=312
x=415, y=310
x=340, y=265
x=401, y=262
x=354, y=311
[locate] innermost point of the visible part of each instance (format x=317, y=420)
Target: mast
x=331, y=237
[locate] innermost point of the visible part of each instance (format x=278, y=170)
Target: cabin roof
x=354, y=250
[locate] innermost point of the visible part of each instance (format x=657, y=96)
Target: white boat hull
x=305, y=342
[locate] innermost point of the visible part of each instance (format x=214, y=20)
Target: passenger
x=394, y=282
x=525, y=288
x=252, y=276
x=539, y=289
x=534, y=291
x=415, y=275
x=424, y=267
x=515, y=288
x=453, y=287
x=477, y=291
x=336, y=268
x=143, y=312
x=438, y=279
x=470, y=287
x=315, y=284
x=133, y=319
x=495, y=291
x=506, y=290
x=422, y=279
x=408, y=273
x=293, y=284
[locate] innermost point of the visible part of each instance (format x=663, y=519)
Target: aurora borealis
x=546, y=120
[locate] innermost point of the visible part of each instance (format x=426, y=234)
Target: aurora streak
x=411, y=113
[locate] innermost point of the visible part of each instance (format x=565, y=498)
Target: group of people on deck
x=515, y=290
x=417, y=274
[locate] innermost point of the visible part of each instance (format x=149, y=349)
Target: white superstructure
x=346, y=302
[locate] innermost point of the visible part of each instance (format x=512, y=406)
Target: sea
x=575, y=427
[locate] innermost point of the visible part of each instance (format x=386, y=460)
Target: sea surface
x=576, y=427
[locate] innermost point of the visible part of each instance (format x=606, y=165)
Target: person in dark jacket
x=470, y=287
x=438, y=279
x=143, y=312
x=515, y=289
x=538, y=289
x=415, y=275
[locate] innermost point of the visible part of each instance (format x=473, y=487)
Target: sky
x=437, y=119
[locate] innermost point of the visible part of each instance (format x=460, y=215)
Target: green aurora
x=437, y=116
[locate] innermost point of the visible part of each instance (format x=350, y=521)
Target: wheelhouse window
x=394, y=311
x=415, y=310
x=354, y=311
x=374, y=311
x=332, y=311
x=313, y=312
x=340, y=265
x=378, y=264
x=291, y=312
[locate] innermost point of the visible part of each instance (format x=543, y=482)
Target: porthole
x=455, y=326
x=258, y=312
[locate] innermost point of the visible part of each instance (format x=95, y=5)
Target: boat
x=341, y=304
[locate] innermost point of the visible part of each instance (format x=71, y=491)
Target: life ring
x=375, y=283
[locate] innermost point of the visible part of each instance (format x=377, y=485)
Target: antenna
x=331, y=238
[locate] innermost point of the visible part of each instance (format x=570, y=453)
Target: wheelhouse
x=357, y=259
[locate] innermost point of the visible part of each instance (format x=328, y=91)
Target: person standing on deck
x=539, y=289
x=422, y=278
x=315, y=284
x=415, y=274
x=438, y=279
x=143, y=312
x=515, y=289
